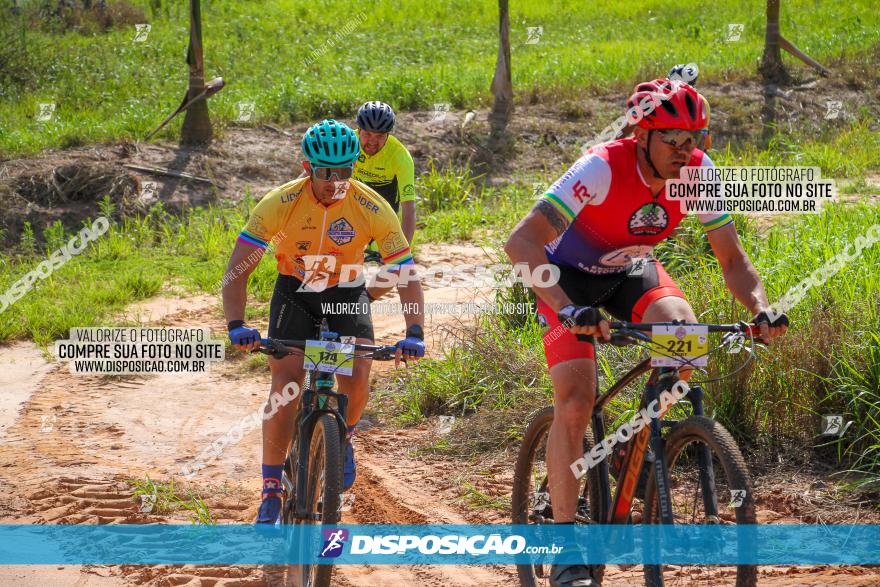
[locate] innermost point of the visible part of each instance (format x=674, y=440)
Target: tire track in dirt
x=391, y=490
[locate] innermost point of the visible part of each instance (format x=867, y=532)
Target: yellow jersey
x=306, y=232
x=390, y=172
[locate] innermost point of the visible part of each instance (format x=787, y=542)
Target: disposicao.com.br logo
x=334, y=542
x=448, y=544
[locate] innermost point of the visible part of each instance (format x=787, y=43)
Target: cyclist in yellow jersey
x=385, y=164
x=320, y=225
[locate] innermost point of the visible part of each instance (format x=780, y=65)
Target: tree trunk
x=196, y=127
x=772, y=69
x=502, y=87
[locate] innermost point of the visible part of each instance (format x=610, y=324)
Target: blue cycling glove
x=414, y=344
x=240, y=334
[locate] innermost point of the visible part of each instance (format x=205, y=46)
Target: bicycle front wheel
x=323, y=490
x=708, y=484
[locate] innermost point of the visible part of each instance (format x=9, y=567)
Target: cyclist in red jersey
x=608, y=209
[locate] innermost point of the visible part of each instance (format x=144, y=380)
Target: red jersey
x=613, y=214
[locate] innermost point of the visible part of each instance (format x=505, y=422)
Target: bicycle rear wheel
x=323, y=490
x=730, y=475
x=530, y=499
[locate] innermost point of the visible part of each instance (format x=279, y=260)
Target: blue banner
x=439, y=544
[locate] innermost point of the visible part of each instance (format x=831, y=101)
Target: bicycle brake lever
x=636, y=334
x=272, y=348
x=621, y=339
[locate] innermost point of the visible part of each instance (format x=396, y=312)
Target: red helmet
x=664, y=103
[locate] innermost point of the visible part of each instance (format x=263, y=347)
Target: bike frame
x=316, y=401
x=618, y=510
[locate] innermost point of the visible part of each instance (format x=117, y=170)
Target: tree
x=196, y=127
x=502, y=87
x=772, y=69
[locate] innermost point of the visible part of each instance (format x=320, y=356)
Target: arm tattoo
x=555, y=219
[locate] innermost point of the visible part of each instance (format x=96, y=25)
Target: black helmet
x=376, y=117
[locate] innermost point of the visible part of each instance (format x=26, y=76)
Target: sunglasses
x=327, y=173
x=678, y=137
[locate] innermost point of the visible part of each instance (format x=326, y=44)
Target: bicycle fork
x=661, y=469
x=658, y=446
x=704, y=461
x=315, y=404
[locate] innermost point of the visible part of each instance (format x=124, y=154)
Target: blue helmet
x=331, y=144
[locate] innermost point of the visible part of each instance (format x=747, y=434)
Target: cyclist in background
x=320, y=223
x=385, y=165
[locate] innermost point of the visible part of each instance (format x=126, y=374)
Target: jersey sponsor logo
x=393, y=243
x=308, y=225
x=290, y=197
x=341, y=231
x=409, y=190
x=616, y=261
x=623, y=257
x=303, y=245
x=366, y=203
x=580, y=192
x=256, y=225
x=648, y=220
x=362, y=158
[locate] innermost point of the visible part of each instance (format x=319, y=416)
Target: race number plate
x=329, y=357
x=676, y=345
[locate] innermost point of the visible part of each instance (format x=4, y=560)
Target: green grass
x=134, y=260
x=169, y=498
x=409, y=53
x=454, y=206
x=828, y=363
x=847, y=152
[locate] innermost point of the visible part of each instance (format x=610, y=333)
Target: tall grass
x=407, y=52
x=457, y=207
x=135, y=259
x=827, y=363
x=847, y=152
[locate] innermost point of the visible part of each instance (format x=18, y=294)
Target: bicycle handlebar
x=279, y=348
x=738, y=328
x=622, y=338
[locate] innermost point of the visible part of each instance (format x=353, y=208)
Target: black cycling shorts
x=293, y=313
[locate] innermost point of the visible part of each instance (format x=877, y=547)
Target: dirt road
x=69, y=444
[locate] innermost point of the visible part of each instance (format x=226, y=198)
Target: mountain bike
x=683, y=470
x=312, y=475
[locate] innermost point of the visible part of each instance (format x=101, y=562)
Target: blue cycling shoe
x=349, y=470
x=270, y=510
